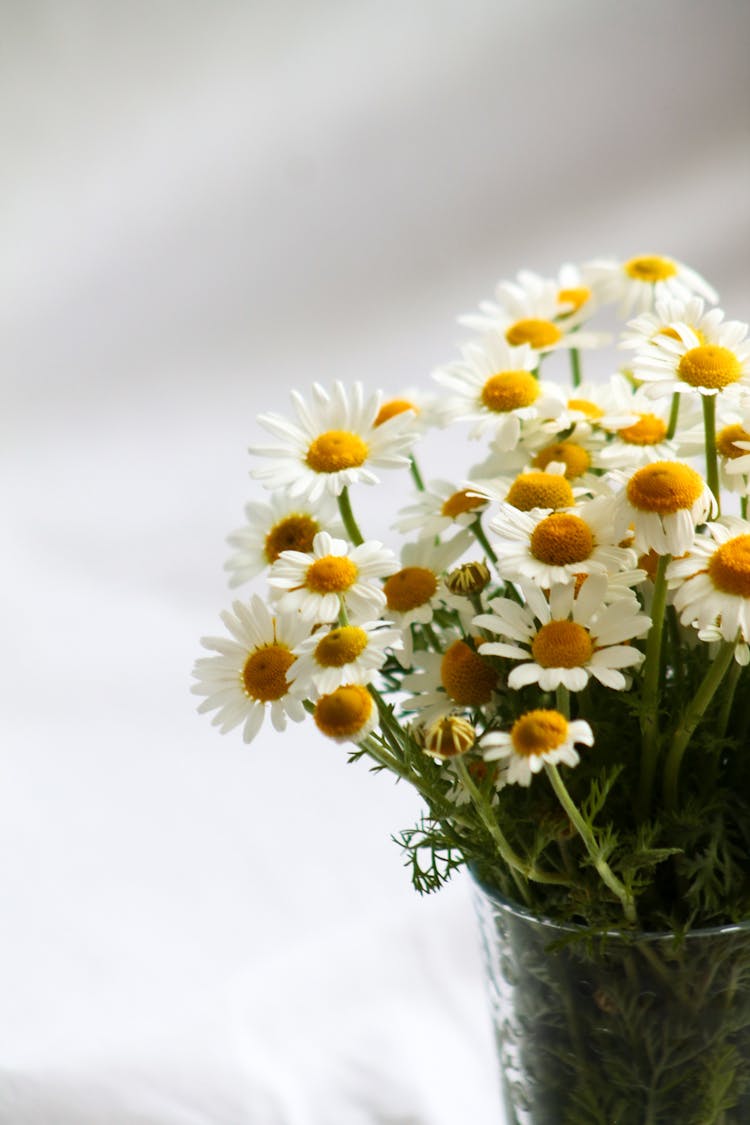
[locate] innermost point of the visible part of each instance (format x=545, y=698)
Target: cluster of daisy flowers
x=542, y=574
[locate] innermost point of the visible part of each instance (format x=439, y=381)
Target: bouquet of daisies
x=552, y=648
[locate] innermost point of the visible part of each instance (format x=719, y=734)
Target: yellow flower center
x=584, y=406
x=540, y=490
x=538, y=732
x=293, y=533
x=409, y=588
x=729, y=568
x=264, y=674
x=466, y=676
x=460, y=503
x=537, y=333
x=710, y=366
x=562, y=539
x=577, y=296
x=664, y=487
x=340, y=646
x=336, y=450
x=331, y=575
x=509, y=390
x=648, y=430
x=391, y=409
x=449, y=737
x=573, y=456
x=343, y=712
x=562, y=644
x=650, y=268
x=726, y=438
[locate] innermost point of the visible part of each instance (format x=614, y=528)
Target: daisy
x=347, y=714
x=687, y=363
x=531, y=311
x=457, y=680
x=346, y=654
x=334, y=443
x=251, y=673
x=279, y=524
x=650, y=327
x=641, y=281
x=493, y=386
x=413, y=593
x=536, y=738
x=713, y=581
x=430, y=411
x=575, y=292
x=331, y=577
x=440, y=507
x=556, y=547
x=639, y=428
x=548, y=489
x=733, y=447
x=663, y=503
x=568, y=639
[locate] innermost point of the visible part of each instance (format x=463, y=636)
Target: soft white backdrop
x=201, y=206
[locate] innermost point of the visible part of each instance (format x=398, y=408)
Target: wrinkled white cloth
x=202, y=207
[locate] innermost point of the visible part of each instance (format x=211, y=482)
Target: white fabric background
x=201, y=206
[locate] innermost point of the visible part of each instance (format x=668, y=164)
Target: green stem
x=515, y=862
x=674, y=414
x=728, y=700
x=690, y=719
x=743, y=503
x=562, y=700
x=584, y=830
x=416, y=475
x=712, y=464
x=347, y=515
x=478, y=532
x=575, y=366
x=649, y=718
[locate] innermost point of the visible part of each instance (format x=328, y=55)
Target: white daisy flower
x=712, y=581
x=531, y=311
x=347, y=714
x=417, y=589
x=346, y=654
x=536, y=738
x=640, y=282
x=663, y=503
x=575, y=292
x=334, y=575
x=440, y=507
x=457, y=680
x=577, y=451
x=650, y=327
x=278, y=524
x=638, y=427
x=557, y=547
x=334, y=443
x=493, y=386
x=251, y=673
x=430, y=411
x=548, y=489
x=568, y=639
x=687, y=363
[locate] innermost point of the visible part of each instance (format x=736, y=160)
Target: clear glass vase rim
x=627, y=935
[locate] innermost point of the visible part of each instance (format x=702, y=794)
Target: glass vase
x=617, y=1028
